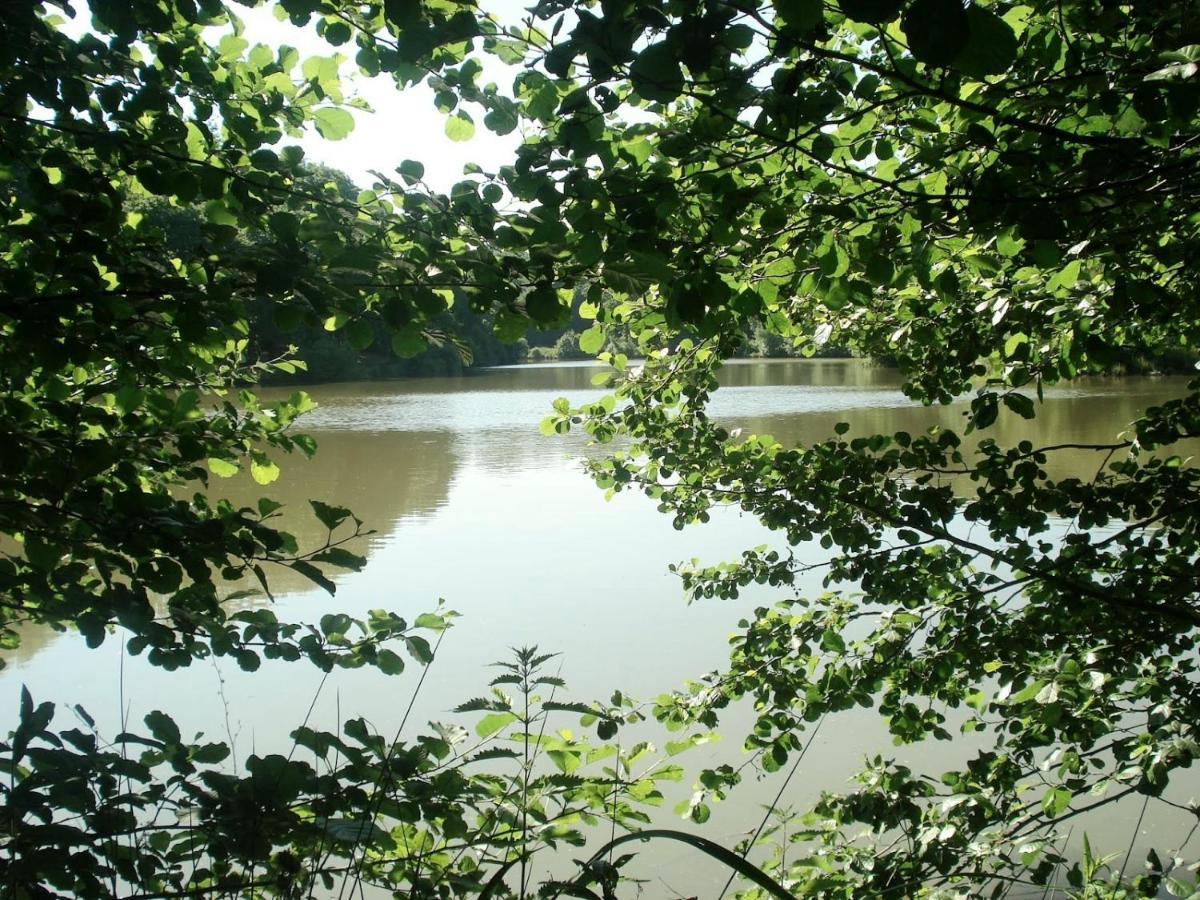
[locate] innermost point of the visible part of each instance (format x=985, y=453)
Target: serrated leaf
x=262, y=470
x=222, y=468
x=489, y=725
x=333, y=123
x=460, y=126
x=656, y=74
x=592, y=340
x=937, y=30
x=991, y=46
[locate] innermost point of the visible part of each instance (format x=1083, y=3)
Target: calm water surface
x=471, y=504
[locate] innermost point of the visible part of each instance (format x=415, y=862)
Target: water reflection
x=394, y=452
x=811, y=397
x=385, y=477
x=469, y=502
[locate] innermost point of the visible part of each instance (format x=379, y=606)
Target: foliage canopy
x=997, y=195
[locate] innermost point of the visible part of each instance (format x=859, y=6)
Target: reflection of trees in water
x=502, y=451
x=388, y=476
x=383, y=477
x=34, y=639
x=842, y=373
x=514, y=378
x=1096, y=411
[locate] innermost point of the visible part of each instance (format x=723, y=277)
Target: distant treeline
x=329, y=357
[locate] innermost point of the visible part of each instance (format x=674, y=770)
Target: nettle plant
x=446, y=814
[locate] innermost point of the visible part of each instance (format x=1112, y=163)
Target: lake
x=470, y=503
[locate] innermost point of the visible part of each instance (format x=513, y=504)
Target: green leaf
x=1182, y=64
x=592, y=340
x=340, y=557
x=1066, y=276
x=411, y=171
x=330, y=516
x=262, y=469
x=984, y=411
x=801, y=15
x=360, y=334
x=389, y=662
x=460, y=126
x=1027, y=693
x=991, y=46
x=337, y=33
x=163, y=727
x=937, y=30
x=1014, y=342
x=835, y=261
x=1056, y=801
x=489, y=725
x=313, y=574
x=565, y=760
x=832, y=641
x=409, y=342
x=232, y=46
x=356, y=831
x=222, y=468
x=431, y=621
x=873, y=11
x=1020, y=404
x=543, y=305
x=501, y=120
x=420, y=649
x=656, y=74
x=1009, y=244
x=333, y=123
x=219, y=214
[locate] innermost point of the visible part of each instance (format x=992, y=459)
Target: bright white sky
x=403, y=125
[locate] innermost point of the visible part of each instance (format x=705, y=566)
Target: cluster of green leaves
x=996, y=195
x=123, y=346
x=125, y=349
x=446, y=814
